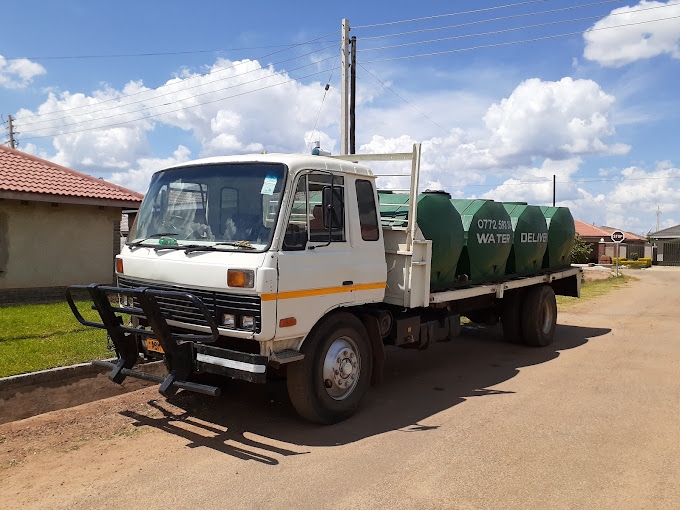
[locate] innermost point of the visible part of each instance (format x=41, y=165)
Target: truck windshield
x=209, y=204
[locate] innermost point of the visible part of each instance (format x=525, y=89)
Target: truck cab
x=277, y=241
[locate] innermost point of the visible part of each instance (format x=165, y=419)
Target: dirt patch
x=22, y=398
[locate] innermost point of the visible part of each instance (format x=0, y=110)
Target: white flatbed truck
x=244, y=266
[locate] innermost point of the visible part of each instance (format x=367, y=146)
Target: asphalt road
x=592, y=422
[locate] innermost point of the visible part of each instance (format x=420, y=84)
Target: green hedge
x=641, y=262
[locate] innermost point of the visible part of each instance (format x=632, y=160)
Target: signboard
x=617, y=236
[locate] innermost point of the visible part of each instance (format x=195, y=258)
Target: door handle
x=348, y=282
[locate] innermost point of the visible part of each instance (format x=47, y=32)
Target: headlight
x=241, y=278
x=248, y=322
x=229, y=320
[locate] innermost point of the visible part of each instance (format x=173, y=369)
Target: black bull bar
x=184, y=353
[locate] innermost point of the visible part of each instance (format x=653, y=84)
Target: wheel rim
x=547, y=317
x=341, y=368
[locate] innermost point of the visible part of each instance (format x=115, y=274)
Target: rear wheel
x=328, y=384
x=539, y=317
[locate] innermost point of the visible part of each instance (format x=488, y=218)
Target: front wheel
x=328, y=384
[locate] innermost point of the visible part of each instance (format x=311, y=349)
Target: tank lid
x=437, y=192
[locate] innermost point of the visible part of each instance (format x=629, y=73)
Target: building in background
x=667, y=242
x=604, y=249
x=58, y=227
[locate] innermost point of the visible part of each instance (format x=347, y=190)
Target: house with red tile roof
x=603, y=248
x=58, y=227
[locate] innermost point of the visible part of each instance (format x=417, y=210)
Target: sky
x=503, y=95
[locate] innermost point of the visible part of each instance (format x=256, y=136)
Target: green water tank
x=488, y=239
x=561, y=234
x=439, y=222
x=529, y=240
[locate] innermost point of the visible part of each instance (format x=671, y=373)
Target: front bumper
x=184, y=353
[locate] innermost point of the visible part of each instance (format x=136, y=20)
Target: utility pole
x=12, y=143
x=353, y=98
x=554, y=190
x=344, y=96
x=658, y=214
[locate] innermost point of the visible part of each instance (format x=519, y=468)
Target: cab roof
x=295, y=162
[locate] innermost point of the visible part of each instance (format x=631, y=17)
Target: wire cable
x=116, y=106
x=166, y=104
x=405, y=101
x=325, y=91
x=165, y=53
x=512, y=29
x=474, y=11
x=182, y=108
x=490, y=20
x=511, y=43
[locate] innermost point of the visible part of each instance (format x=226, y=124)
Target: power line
x=449, y=15
x=183, y=107
x=165, y=53
x=61, y=112
x=404, y=100
x=510, y=43
x=500, y=18
x=176, y=92
x=495, y=32
x=549, y=181
x=323, y=99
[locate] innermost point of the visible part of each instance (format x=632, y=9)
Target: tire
x=328, y=384
x=539, y=317
x=511, y=318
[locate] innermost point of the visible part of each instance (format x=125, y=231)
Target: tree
x=580, y=252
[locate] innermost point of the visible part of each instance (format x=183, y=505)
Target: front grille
x=217, y=303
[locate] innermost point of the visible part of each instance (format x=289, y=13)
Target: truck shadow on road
x=416, y=386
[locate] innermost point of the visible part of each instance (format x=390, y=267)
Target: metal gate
x=668, y=254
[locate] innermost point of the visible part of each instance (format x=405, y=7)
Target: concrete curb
x=51, y=375
x=70, y=373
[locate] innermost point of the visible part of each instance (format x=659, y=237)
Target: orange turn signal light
x=119, y=265
x=240, y=278
x=287, y=322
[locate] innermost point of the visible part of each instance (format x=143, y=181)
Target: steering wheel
x=169, y=222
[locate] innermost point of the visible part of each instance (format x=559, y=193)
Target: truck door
x=316, y=267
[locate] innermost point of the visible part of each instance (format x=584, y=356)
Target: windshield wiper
x=245, y=245
x=154, y=236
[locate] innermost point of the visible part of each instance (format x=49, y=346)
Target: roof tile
x=587, y=230
x=26, y=173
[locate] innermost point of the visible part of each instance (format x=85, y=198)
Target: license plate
x=154, y=345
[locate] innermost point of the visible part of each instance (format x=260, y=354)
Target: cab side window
x=368, y=217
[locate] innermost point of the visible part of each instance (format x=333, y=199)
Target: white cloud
x=643, y=38
x=18, y=73
x=551, y=119
x=557, y=122
x=235, y=107
x=138, y=178
x=629, y=205
x=535, y=185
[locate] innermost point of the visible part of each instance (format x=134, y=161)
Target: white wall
x=46, y=246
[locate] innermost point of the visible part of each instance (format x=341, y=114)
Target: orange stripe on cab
x=294, y=294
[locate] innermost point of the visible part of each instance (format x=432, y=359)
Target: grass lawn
x=593, y=289
x=36, y=337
